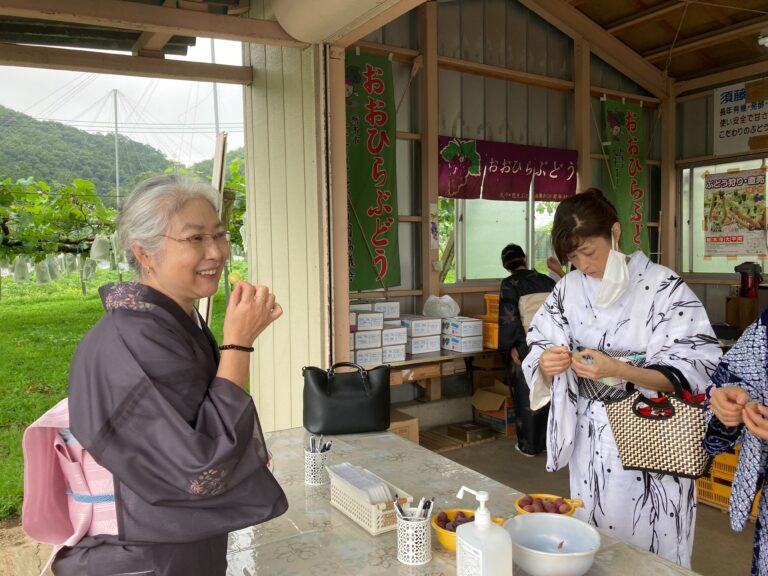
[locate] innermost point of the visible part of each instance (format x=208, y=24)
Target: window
x=695, y=220
x=473, y=233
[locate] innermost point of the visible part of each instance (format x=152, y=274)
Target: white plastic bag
x=442, y=307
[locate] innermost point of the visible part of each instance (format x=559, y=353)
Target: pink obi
x=67, y=495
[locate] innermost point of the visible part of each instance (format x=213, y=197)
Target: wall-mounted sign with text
x=741, y=117
x=734, y=213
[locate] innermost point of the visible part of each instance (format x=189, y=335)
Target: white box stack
x=466, y=344
x=462, y=326
x=367, y=339
x=368, y=357
x=423, y=333
x=393, y=353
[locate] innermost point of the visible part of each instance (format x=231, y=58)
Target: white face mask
x=615, y=278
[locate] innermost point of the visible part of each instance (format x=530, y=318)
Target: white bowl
x=552, y=544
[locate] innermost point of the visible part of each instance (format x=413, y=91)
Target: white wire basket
x=414, y=539
x=353, y=502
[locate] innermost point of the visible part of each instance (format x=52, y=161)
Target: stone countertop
x=314, y=539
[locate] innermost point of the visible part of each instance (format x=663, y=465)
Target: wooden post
x=339, y=217
x=669, y=201
x=430, y=276
x=582, y=110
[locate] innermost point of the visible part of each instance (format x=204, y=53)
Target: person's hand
x=554, y=360
x=554, y=265
x=754, y=415
x=728, y=403
x=516, y=357
x=250, y=310
x=599, y=366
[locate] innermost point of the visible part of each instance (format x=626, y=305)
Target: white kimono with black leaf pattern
x=658, y=316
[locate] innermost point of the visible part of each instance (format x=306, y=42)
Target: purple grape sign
x=470, y=169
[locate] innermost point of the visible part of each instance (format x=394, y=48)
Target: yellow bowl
x=574, y=502
x=447, y=538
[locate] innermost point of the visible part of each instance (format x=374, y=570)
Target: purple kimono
x=185, y=447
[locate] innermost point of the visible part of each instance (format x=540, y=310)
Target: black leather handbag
x=346, y=402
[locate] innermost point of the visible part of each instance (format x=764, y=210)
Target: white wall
x=287, y=220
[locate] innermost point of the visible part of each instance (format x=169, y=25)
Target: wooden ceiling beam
x=644, y=16
x=347, y=37
x=103, y=63
x=160, y=19
x=759, y=68
x=735, y=32
x=152, y=42
x=575, y=24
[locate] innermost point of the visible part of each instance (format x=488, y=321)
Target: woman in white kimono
x=613, y=320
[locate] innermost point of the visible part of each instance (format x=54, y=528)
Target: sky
x=174, y=116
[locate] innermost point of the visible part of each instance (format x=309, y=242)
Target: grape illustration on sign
x=463, y=161
x=470, y=169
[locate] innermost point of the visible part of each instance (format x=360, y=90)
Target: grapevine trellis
x=47, y=231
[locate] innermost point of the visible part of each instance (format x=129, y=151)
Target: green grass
x=42, y=325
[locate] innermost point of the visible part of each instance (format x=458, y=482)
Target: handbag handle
x=657, y=408
x=363, y=375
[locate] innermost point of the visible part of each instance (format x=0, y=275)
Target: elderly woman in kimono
x=156, y=403
x=615, y=320
x=738, y=412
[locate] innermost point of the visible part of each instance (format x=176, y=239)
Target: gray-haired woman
x=153, y=401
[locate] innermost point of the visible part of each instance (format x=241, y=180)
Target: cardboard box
x=494, y=407
x=391, y=336
x=404, y=425
x=483, y=378
x=352, y=319
x=351, y=340
x=493, y=398
x=740, y=311
x=393, y=353
x=457, y=344
x=422, y=326
x=423, y=344
x=370, y=321
x=462, y=326
x=500, y=425
x=369, y=356
x=390, y=308
x=367, y=339
x=489, y=360
x=360, y=307
x=469, y=431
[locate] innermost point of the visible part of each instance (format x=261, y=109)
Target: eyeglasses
x=200, y=240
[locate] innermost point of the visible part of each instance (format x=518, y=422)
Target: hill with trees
x=58, y=154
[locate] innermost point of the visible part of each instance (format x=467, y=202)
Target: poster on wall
x=734, y=213
x=374, y=254
x=624, y=130
x=471, y=169
x=741, y=117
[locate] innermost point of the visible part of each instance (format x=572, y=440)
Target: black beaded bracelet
x=236, y=347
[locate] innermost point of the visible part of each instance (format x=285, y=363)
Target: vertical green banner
x=374, y=255
x=624, y=128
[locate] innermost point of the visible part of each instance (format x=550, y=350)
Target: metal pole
x=215, y=92
x=227, y=266
x=117, y=158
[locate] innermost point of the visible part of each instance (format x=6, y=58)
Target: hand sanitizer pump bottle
x=482, y=547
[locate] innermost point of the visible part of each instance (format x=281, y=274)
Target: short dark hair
x=581, y=216
x=512, y=257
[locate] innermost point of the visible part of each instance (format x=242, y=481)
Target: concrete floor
x=717, y=550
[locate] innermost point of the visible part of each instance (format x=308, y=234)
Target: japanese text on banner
x=624, y=127
x=374, y=257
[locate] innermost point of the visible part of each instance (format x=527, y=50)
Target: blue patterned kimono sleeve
x=742, y=366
